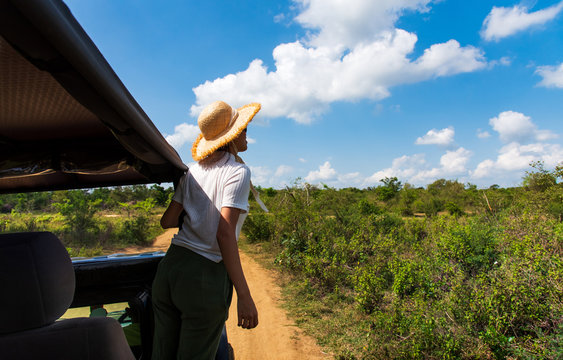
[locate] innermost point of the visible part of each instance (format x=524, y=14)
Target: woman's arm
x=171, y=216
x=226, y=238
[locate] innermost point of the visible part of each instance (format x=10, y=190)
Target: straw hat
x=220, y=124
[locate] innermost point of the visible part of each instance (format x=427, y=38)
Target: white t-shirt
x=203, y=191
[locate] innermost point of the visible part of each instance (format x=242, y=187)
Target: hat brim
x=202, y=148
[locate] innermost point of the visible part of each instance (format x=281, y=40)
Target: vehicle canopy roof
x=66, y=119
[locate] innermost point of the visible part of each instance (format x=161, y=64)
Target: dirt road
x=276, y=337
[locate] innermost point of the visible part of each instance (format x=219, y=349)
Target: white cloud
x=325, y=172
x=260, y=175
x=183, y=133
x=483, y=169
x=279, y=18
x=302, y=160
x=503, y=22
x=452, y=165
x=251, y=140
x=265, y=177
x=514, y=158
x=505, y=60
x=415, y=170
x=347, y=23
x=449, y=58
x=552, y=76
x=437, y=137
x=507, y=169
x=453, y=162
x=515, y=126
x=283, y=170
x=329, y=176
x=481, y=134
x=404, y=167
x=353, y=53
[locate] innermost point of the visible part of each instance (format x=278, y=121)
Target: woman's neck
x=213, y=158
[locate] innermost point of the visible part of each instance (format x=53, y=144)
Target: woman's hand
x=247, y=312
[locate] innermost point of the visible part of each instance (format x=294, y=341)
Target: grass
x=84, y=311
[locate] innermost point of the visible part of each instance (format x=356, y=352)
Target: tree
x=391, y=186
x=160, y=194
x=540, y=179
x=78, y=211
x=436, y=187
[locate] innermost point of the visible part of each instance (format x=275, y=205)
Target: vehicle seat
x=37, y=287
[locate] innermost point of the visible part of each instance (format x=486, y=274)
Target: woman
x=193, y=286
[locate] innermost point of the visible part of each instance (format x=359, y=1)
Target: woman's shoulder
x=233, y=167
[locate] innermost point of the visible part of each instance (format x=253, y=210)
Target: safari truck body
x=68, y=122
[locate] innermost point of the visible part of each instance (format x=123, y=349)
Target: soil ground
x=276, y=336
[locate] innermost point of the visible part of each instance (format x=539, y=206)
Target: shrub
x=454, y=209
x=78, y=212
x=258, y=227
x=471, y=245
x=371, y=281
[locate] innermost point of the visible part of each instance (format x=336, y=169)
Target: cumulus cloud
x=454, y=162
x=353, y=52
x=337, y=23
x=414, y=169
x=482, y=134
x=437, y=137
x=483, y=169
x=326, y=174
x=404, y=167
x=266, y=177
x=514, y=158
x=183, y=133
x=552, y=76
x=513, y=126
x=511, y=161
x=503, y=21
x=283, y=170
x=505, y=61
x=261, y=175
x=452, y=165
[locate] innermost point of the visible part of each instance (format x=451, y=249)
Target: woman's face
x=240, y=141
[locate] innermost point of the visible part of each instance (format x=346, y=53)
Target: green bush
x=371, y=281
x=487, y=284
x=454, y=209
x=137, y=230
x=472, y=246
x=258, y=227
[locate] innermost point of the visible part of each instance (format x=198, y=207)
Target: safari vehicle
x=68, y=122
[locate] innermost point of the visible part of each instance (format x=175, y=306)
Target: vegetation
x=89, y=222
x=446, y=271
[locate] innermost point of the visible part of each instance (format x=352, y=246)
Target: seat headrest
x=37, y=280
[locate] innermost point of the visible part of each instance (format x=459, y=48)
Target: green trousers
x=191, y=296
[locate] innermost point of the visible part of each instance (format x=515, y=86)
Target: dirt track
x=276, y=337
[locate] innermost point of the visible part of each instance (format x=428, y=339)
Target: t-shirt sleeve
x=237, y=187
x=180, y=190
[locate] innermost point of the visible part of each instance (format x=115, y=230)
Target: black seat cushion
x=80, y=338
x=37, y=280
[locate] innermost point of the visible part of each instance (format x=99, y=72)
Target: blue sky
x=352, y=91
